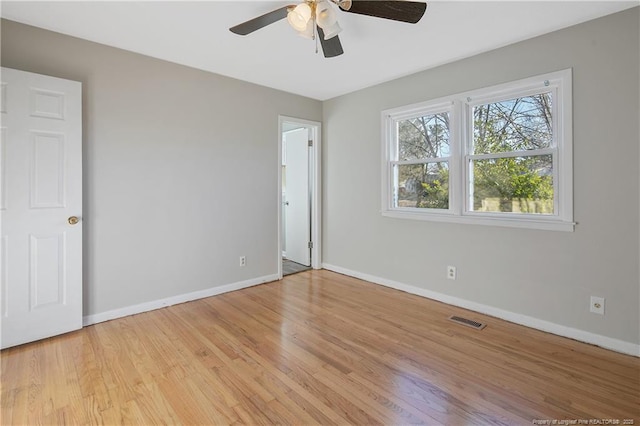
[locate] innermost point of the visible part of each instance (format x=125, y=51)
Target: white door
x=297, y=202
x=41, y=200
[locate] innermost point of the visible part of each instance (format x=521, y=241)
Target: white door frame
x=316, y=193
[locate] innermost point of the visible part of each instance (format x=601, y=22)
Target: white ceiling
x=376, y=50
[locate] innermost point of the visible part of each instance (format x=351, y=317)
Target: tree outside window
x=494, y=156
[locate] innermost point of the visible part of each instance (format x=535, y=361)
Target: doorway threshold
x=290, y=267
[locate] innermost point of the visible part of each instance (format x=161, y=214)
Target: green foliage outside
x=525, y=183
x=435, y=193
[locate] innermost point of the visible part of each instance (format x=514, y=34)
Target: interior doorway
x=299, y=201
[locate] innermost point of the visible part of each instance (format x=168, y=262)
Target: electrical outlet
x=243, y=261
x=597, y=305
x=451, y=272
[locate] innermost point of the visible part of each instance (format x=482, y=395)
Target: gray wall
x=541, y=274
x=180, y=168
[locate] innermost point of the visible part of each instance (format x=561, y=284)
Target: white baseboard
x=173, y=300
x=550, y=327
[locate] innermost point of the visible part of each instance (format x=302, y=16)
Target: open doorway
x=299, y=200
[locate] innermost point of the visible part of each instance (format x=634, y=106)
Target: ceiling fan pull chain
x=315, y=33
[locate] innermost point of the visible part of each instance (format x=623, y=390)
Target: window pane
x=423, y=137
x=424, y=186
x=513, y=185
x=514, y=125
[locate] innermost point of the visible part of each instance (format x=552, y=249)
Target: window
x=498, y=156
x=421, y=160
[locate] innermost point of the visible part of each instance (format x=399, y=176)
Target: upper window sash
x=504, y=96
x=393, y=117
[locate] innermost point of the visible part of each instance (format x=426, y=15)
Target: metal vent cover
x=469, y=323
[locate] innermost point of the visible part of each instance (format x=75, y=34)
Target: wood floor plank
x=315, y=348
x=152, y=405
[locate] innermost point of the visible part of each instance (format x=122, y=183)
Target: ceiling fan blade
x=397, y=10
x=332, y=47
x=261, y=21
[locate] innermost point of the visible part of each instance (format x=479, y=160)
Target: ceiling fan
x=319, y=17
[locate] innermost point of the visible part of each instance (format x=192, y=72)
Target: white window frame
x=460, y=108
x=419, y=111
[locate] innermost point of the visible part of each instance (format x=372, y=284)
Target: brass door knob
x=73, y=220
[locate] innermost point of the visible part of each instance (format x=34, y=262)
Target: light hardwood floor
x=315, y=348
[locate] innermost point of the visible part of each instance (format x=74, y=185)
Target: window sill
x=527, y=223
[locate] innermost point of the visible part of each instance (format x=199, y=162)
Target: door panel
x=41, y=148
x=46, y=272
x=297, y=202
x=47, y=170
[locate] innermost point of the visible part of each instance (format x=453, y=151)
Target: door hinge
x=310, y=142
x=310, y=244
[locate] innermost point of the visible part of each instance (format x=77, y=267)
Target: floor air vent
x=469, y=323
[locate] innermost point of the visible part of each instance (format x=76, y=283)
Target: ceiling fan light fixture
x=325, y=15
x=311, y=17
x=332, y=31
x=308, y=31
x=299, y=17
